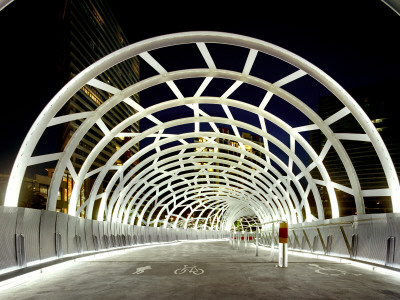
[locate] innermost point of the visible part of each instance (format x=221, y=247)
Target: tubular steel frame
x=243, y=189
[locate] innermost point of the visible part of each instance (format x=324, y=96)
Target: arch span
x=218, y=177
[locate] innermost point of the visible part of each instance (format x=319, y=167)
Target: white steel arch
x=185, y=147
x=121, y=200
x=234, y=171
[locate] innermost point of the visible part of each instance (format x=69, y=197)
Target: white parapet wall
x=47, y=235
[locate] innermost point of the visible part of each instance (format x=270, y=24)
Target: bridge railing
x=369, y=238
x=31, y=236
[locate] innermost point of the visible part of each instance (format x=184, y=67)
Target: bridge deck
x=222, y=273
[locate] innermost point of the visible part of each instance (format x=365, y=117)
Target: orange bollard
x=283, y=233
x=283, y=239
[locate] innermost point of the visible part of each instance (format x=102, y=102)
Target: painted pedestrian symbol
x=194, y=270
x=141, y=270
x=331, y=271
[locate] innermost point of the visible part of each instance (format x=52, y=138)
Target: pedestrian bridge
x=198, y=177
x=204, y=270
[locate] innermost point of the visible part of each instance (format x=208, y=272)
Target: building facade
x=378, y=101
x=89, y=31
x=231, y=142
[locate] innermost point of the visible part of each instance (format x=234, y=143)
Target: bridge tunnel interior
x=220, y=134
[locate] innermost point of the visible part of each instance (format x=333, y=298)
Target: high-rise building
x=89, y=32
x=246, y=135
x=378, y=101
x=92, y=32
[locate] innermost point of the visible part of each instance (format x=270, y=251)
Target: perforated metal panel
x=20, y=250
x=176, y=234
x=303, y=245
x=311, y=234
x=167, y=234
x=112, y=228
x=142, y=235
x=292, y=243
x=96, y=235
x=378, y=241
x=145, y=234
x=89, y=234
x=124, y=229
x=28, y=222
x=368, y=234
x=324, y=232
x=135, y=229
x=371, y=241
x=8, y=221
x=393, y=228
x=153, y=233
x=62, y=228
x=80, y=231
x=95, y=227
x=106, y=228
x=148, y=236
x=101, y=234
x=390, y=251
x=349, y=232
x=71, y=234
x=59, y=249
x=378, y=235
x=118, y=228
x=162, y=233
x=48, y=234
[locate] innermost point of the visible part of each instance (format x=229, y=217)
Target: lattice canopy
x=213, y=146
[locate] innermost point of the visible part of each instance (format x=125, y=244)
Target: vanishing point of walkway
x=166, y=272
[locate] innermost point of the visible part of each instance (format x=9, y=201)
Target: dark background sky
x=355, y=44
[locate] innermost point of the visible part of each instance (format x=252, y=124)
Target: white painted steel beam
x=133, y=158
x=135, y=140
x=274, y=194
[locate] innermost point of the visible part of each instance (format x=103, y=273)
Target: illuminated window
x=43, y=189
x=135, y=70
x=92, y=96
x=96, y=15
x=120, y=38
x=376, y=121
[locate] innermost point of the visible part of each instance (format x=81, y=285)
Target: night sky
x=355, y=45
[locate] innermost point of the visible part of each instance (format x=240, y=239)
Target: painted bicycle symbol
x=194, y=270
x=331, y=271
x=142, y=269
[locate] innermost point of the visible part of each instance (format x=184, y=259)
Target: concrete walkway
x=213, y=271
